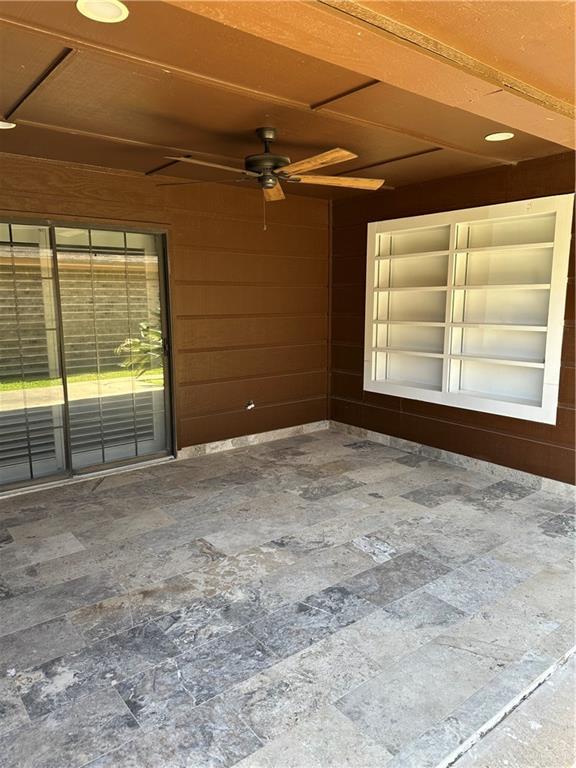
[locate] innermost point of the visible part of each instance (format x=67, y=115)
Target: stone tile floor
x=539, y=733
x=316, y=602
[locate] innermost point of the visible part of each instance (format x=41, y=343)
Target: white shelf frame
x=502, y=287
x=517, y=407
x=408, y=351
x=483, y=249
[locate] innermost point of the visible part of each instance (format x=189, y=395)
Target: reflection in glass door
x=83, y=373
x=113, y=344
x=31, y=388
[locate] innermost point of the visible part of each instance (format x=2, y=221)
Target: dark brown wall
x=249, y=307
x=543, y=449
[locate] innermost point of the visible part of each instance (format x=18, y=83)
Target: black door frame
x=160, y=234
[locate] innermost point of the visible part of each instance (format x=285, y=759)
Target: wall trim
x=190, y=451
x=565, y=490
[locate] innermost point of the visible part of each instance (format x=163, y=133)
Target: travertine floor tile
x=317, y=602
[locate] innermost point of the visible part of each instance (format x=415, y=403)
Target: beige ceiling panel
x=432, y=165
x=168, y=35
x=370, y=43
x=57, y=145
x=501, y=102
x=23, y=58
x=97, y=95
x=532, y=40
x=389, y=106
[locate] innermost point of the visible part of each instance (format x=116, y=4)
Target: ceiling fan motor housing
x=265, y=165
x=266, y=162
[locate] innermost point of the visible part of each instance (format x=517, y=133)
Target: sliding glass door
x=109, y=284
x=83, y=364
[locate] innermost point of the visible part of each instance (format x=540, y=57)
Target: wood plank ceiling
x=187, y=78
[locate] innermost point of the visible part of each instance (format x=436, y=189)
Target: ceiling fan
x=269, y=169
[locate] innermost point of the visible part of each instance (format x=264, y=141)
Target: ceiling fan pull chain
x=264, y=224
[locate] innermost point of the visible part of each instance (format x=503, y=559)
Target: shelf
x=482, y=358
x=416, y=255
x=416, y=240
x=422, y=369
x=496, y=379
x=418, y=288
x=463, y=251
x=509, y=307
x=400, y=367
x=504, y=287
x=498, y=398
x=528, y=266
x=526, y=229
x=413, y=338
x=466, y=307
x=418, y=273
x=486, y=287
x=427, y=306
x=513, y=247
x=501, y=344
x=501, y=326
x=495, y=326
x=415, y=352
x=417, y=385
x=499, y=360
x=425, y=323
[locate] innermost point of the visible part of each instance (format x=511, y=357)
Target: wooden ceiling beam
x=163, y=169
x=380, y=48
x=80, y=44
x=160, y=148
x=462, y=61
x=414, y=134
x=195, y=153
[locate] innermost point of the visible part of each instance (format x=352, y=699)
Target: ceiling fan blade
x=212, y=165
x=276, y=193
x=340, y=181
x=318, y=161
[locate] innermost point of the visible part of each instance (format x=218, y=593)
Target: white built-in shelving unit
x=466, y=308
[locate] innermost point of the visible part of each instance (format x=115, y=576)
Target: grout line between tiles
x=513, y=704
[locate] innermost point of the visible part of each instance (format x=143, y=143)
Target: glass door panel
x=83, y=381
x=113, y=344
x=32, y=416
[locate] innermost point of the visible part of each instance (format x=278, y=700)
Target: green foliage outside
x=144, y=351
x=151, y=376
x=142, y=357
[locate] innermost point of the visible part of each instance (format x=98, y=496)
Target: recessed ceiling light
x=505, y=136
x=5, y=125
x=106, y=11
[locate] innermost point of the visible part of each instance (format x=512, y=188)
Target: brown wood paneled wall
x=249, y=307
x=543, y=449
